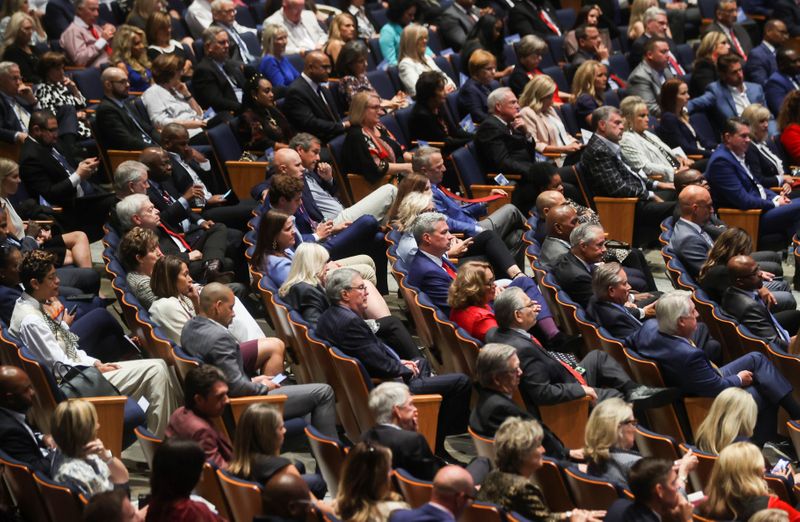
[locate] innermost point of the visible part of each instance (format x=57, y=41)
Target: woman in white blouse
x=642, y=149
x=542, y=121
x=770, y=166
x=169, y=100
x=413, y=60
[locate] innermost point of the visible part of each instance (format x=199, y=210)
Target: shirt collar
x=768, y=46
x=521, y=331
x=692, y=224
x=80, y=23
x=615, y=148
x=584, y=263
x=314, y=85
x=389, y=425
x=437, y=260
x=736, y=91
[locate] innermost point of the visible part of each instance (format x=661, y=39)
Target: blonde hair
x=707, y=45
x=514, y=441
x=358, y=106
x=737, y=475
x=414, y=204
x=469, y=286
x=604, y=428
x=409, y=42
x=268, y=35
x=309, y=260
x=583, y=82
x=770, y=515
x=755, y=113
x=629, y=107
x=123, y=46
x=732, y=415
x=333, y=32
x=256, y=434
x=365, y=482
x=637, y=10
x=74, y=425
x=7, y=167
x=480, y=59
x=13, y=28
x=536, y=90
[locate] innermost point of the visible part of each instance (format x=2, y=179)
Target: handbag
x=82, y=381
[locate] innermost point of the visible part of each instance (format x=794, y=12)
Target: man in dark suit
x=17, y=438
x=683, y=365
x=456, y=22
x=343, y=326
x=59, y=14
x=49, y=172
x=218, y=81
x=590, y=47
x=789, y=12
x=16, y=103
x=119, y=126
x=453, y=490
x=224, y=16
x=784, y=80
x=655, y=24
x=689, y=240
x=207, y=336
x=534, y=17
x=573, y=270
x=726, y=14
x=309, y=105
x=612, y=177
x=761, y=63
x=656, y=487
x=552, y=377
x=560, y=222
x=743, y=302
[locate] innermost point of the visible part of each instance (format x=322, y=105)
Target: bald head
x=453, y=488
x=547, y=200
x=285, y=495
x=687, y=177
x=212, y=294
x=16, y=390
x=561, y=221
x=114, y=85
x=744, y=273
x=317, y=66
x=288, y=161
x=695, y=203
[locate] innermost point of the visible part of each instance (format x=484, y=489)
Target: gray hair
x=128, y=207
x=210, y=33
x=216, y=5
x=584, y=233
x=492, y=359
x=5, y=67
x=507, y=303
x=496, y=96
x=338, y=281
x=531, y=44
x=303, y=140
x=425, y=224
x=652, y=13
x=78, y=3
x=128, y=172
x=604, y=276
x=421, y=159
x=384, y=397
x=670, y=307
x=603, y=113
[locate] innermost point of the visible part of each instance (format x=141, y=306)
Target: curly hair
x=36, y=264
x=469, y=287
x=138, y=242
x=122, y=46
x=514, y=441
x=790, y=110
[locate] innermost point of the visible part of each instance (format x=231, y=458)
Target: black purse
x=82, y=381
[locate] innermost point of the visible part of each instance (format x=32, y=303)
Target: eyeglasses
x=529, y=305
x=361, y=287
x=629, y=422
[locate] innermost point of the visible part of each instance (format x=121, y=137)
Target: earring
x=274, y=245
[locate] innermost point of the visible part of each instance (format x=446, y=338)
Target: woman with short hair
x=169, y=100
x=351, y=68
x=471, y=99
x=414, y=60
x=469, y=297
x=430, y=119
x=732, y=418
x=158, y=31
x=138, y=253
x=58, y=90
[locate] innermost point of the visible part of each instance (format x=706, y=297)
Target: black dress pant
x=605, y=375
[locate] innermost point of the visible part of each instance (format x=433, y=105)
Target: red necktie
x=450, y=271
x=93, y=30
x=676, y=67
x=177, y=236
x=738, y=46
x=570, y=369
x=617, y=79
x=550, y=25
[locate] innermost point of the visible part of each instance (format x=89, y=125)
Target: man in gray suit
x=457, y=21
x=561, y=221
x=207, y=336
x=646, y=79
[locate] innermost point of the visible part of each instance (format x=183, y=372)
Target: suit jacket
x=410, y=450
x=430, y=278
x=691, y=248
x=172, y=213
x=644, y=151
x=79, y=46
x=524, y=19
x=18, y=443
x=57, y=16
x=424, y=513
x=186, y=424
x=644, y=81
x=460, y=218
x=502, y=150
x=552, y=249
x=717, y=101
x=574, y=278
x=624, y=510
x=44, y=176
x=675, y=133
x=424, y=125
x=609, y=175
x=764, y=170
x=775, y=90
x=9, y=122
x=741, y=35
x=183, y=180
x=345, y=330
x=761, y=62
x=305, y=110
x=454, y=26
x=119, y=130
x=731, y=186
x=309, y=301
x=789, y=12
x=212, y=89
x=215, y=345
x=544, y=379
x=471, y=99
x=637, y=50
x=753, y=314
x=619, y=323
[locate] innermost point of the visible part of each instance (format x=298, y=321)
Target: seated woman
x=414, y=60
x=81, y=460
x=732, y=418
x=789, y=125
x=158, y=31
x=141, y=11
x=178, y=301
x=342, y=30
x=430, y=120
x=138, y=253
x=351, y=68
x=589, y=15
x=177, y=465
x=530, y=50
x=257, y=446
x=129, y=53
x=675, y=129
x=471, y=99
x=365, y=487
x=704, y=69
x=469, y=297
x=400, y=13
x=736, y=489
x=610, y=436
x=588, y=89
x=262, y=125
x=518, y=448
x=58, y=90
x=169, y=99
x=643, y=150
x=364, y=25
x=543, y=122
x=19, y=48
x=369, y=148
x=274, y=66
x=10, y=8
x=487, y=34
x=761, y=156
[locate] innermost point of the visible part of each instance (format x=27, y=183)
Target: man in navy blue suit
x=656, y=487
x=733, y=185
x=761, y=62
x=784, y=80
x=688, y=368
x=453, y=490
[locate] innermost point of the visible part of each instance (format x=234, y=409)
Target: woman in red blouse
x=469, y=297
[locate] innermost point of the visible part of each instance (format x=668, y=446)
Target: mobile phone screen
x=279, y=378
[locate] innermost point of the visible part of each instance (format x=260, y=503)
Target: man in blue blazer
x=733, y=185
x=453, y=490
x=718, y=101
x=684, y=366
x=761, y=62
x=784, y=80
x=656, y=488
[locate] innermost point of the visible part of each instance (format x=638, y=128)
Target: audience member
x=783, y=80
x=530, y=51
x=351, y=68
x=111, y=506
x=471, y=98
x=674, y=127
x=129, y=53
x=86, y=43
x=561, y=221
x=275, y=66
x=169, y=99
x=16, y=103
x=159, y=35
x=789, y=125
x=469, y=297
x=573, y=270
x=430, y=120
x=761, y=155
x=589, y=16
x=453, y=490
x=456, y=21
x=761, y=62
x=704, y=69
x=732, y=418
x=539, y=18
x=218, y=81
x=413, y=60
x=59, y=15
x=641, y=149
x=788, y=13
x=366, y=30
x=544, y=123
x=487, y=34
x=122, y=128
x=286, y=496
x=342, y=30
x=725, y=21
x=262, y=126
x=588, y=90
x=590, y=46
x=647, y=78
x=636, y=26
x=57, y=90
x=400, y=13
x=223, y=12
x=655, y=26
x=18, y=47
x=301, y=25
x=138, y=253
x=656, y=487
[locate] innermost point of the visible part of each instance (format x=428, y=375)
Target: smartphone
x=780, y=467
x=225, y=196
x=695, y=498
x=72, y=310
x=501, y=180
x=279, y=378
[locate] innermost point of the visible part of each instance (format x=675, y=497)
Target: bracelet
x=110, y=456
x=568, y=515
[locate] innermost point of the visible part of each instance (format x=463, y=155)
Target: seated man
x=20, y=440
x=507, y=221
x=302, y=26
x=343, y=326
x=733, y=185
x=224, y=15
x=54, y=342
x=742, y=301
x=683, y=365
x=559, y=224
x=118, y=125
x=545, y=202
x=309, y=104
x=218, y=81
x=784, y=80
x=452, y=490
x=646, y=79
x=656, y=487
x=612, y=177
x=16, y=103
x=85, y=43
x=206, y=336
x=551, y=377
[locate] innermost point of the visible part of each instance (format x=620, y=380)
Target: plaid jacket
x=607, y=175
